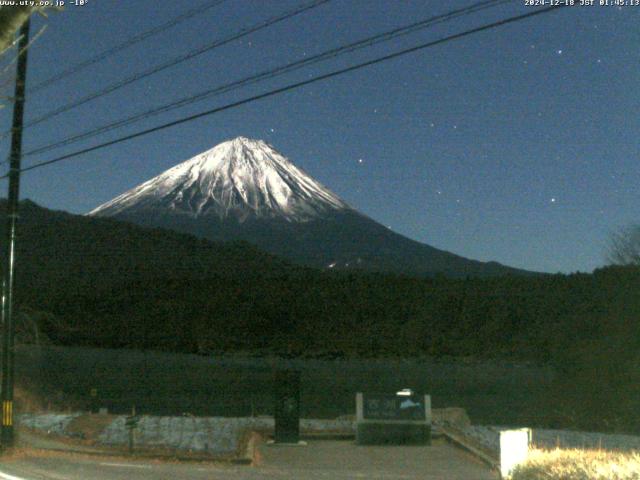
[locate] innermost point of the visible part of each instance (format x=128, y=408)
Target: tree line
x=98, y=282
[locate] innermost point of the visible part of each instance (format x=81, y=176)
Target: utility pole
x=8, y=330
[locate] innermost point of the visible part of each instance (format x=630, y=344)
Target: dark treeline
x=344, y=314
x=97, y=282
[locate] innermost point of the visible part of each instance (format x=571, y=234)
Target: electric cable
x=271, y=73
x=294, y=86
x=171, y=63
x=124, y=45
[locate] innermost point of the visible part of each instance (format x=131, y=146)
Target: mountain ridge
x=238, y=178
x=244, y=189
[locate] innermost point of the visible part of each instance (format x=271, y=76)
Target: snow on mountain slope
x=244, y=190
x=239, y=178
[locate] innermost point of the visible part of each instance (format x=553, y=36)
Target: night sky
x=518, y=144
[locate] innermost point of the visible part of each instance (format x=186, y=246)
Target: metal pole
x=131, y=427
x=6, y=429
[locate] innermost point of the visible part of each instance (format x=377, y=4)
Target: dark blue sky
x=518, y=144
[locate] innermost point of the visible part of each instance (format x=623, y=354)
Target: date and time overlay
x=527, y=3
x=581, y=3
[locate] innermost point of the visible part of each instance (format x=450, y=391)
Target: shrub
x=578, y=465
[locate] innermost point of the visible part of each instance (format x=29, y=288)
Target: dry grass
x=579, y=465
x=27, y=401
x=88, y=427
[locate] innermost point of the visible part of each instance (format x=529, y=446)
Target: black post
x=287, y=406
x=6, y=430
x=131, y=426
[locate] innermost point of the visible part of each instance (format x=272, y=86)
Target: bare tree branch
x=624, y=246
x=11, y=19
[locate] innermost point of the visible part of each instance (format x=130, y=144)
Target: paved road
x=320, y=460
x=345, y=460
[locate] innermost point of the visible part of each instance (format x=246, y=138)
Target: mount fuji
x=244, y=189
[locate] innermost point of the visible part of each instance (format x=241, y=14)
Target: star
x=559, y=52
x=360, y=160
x=432, y=124
x=553, y=200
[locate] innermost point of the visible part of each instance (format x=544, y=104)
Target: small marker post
x=131, y=423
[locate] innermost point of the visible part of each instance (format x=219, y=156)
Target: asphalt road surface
x=319, y=460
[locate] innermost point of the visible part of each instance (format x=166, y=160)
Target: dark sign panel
x=393, y=407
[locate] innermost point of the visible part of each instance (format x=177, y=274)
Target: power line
x=175, y=61
x=272, y=73
x=124, y=45
x=294, y=86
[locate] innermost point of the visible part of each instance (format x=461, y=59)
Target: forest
x=101, y=283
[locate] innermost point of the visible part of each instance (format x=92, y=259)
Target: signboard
x=393, y=419
x=132, y=422
x=393, y=407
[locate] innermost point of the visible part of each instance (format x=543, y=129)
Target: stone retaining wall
x=214, y=435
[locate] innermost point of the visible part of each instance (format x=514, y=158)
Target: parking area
x=324, y=459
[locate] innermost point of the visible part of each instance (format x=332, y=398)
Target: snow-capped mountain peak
x=239, y=178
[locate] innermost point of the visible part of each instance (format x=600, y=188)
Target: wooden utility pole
x=8, y=327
